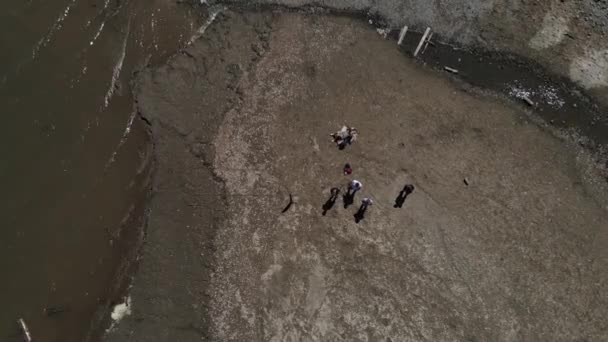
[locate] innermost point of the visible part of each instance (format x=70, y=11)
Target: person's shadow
x=331, y=201
x=360, y=214
x=408, y=189
x=348, y=198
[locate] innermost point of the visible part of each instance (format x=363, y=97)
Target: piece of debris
x=466, y=181
x=27, y=337
x=54, y=310
x=422, y=40
x=288, y=204
x=452, y=70
x=383, y=32
x=528, y=101
x=428, y=41
x=402, y=35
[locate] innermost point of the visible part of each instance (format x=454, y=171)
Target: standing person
x=347, y=169
x=407, y=189
x=349, y=195
x=366, y=202
x=354, y=186
x=360, y=214
x=331, y=201
x=350, y=136
x=334, y=193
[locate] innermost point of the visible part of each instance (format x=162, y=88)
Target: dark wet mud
x=557, y=100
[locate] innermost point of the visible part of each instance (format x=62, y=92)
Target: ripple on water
x=46, y=39
x=116, y=70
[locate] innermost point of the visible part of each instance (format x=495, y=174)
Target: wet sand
x=241, y=119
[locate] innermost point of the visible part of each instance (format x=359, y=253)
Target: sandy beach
x=241, y=120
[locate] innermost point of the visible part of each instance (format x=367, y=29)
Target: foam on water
x=46, y=39
x=97, y=33
x=121, y=310
x=116, y=71
x=125, y=134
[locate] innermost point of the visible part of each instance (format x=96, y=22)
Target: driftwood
x=426, y=34
x=428, y=41
x=54, y=310
x=452, y=70
x=402, y=35
x=528, y=101
x=288, y=204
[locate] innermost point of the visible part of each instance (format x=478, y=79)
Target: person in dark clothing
x=347, y=169
x=360, y=214
x=407, y=189
x=331, y=201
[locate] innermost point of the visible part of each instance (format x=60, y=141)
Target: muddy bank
x=558, y=101
x=240, y=120
x=184, y=103
x=567, y=37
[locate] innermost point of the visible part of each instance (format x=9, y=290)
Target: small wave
x=125, y=134
x=97, y=33
x=46, y=39
x=121, y=310
x=99, y=13
x=116, y=70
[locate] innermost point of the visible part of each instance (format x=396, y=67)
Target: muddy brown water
x=74, y=157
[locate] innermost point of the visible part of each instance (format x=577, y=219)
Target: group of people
x=342, y=138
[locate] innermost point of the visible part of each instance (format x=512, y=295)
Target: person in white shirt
x=366, y=202
x=354, y=186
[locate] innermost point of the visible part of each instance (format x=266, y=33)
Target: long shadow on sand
x=360, y=214
x=331, y=201
x=348, y=199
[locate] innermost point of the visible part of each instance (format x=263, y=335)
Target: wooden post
x=452, y=70
x=528, y=101
x=402, y=35
x=426, y=34
x=26, y=332
x=428, y=40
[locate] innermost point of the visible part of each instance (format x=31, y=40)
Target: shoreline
x=201, y=150
x=571, y=34
x=200, y=153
